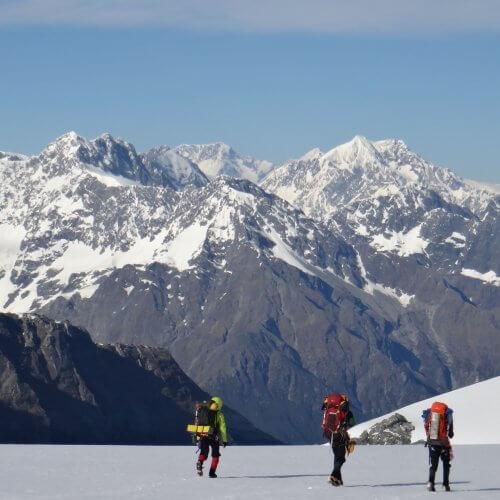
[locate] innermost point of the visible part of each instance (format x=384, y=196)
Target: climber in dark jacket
x=343, y=419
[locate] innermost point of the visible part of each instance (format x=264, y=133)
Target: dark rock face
x=57, y=386
x=393, y=430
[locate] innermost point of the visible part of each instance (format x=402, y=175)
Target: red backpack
x=335, y=409
x=436, y=424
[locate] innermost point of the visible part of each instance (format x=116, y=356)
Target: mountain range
x=364, y=270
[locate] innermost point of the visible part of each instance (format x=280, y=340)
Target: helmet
x=215, y=403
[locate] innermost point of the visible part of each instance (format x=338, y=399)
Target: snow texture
x=253, y=472
x=475, y=403
x=489, y=277
x=220, y=159
x=401, y=244
x=492, y=188
x=372, y=287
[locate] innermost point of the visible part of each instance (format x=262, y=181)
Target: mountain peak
x=357, y=142
x=219, y=158
x=69, y=138
x=359, y=151
x=312, y=154
x=360, y=139
x=108, y=142
x=169, y=168
x=65, y=147
x=105, y=154
x=106, y=136
x=393, y=148
x=69, y=143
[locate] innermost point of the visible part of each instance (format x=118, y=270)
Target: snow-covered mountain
x=396, y=208
x=167, y=168
x=220, y=159
x=115, y=162
x=70, y=211
x=384, y=194
x=417, y=228
x=476, y=408
x=83, y=206
x=255, y=300
x=141, y=263
x=327, y=184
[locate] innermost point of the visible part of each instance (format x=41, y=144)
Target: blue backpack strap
x=449, y=416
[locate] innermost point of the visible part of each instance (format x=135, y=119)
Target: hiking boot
x=334, y=481
x=212, y=473
x=446, y=487
x=430, y=486
x=199, y=468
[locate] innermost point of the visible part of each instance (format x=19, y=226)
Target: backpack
x=205, y=421
x=436, y=423
x=335, y=410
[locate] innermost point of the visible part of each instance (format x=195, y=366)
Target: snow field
x=476, y=402
x=245, y=472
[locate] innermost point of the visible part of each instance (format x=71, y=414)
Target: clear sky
x=272, y=79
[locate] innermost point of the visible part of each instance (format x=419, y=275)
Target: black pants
x=339, y=451
x=205, y=443
x=436, y=452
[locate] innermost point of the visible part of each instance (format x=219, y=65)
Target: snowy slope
x=361, y=170
x=407, y=218
x=167, y=168
x=476, y=409
x=220, y=159
x=67, y=222
x=70, y=213
x=253, y=472
x=492, y=188
x=386, y=195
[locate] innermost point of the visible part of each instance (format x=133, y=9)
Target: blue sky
x=270, y=86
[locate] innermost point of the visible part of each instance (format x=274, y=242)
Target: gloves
x=224, y=444
x=451, y=434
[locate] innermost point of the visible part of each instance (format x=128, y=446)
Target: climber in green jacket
x=213, y=440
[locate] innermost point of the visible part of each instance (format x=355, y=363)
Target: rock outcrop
x=393, y=430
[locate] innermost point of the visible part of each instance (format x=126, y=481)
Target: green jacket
x=220, y=421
